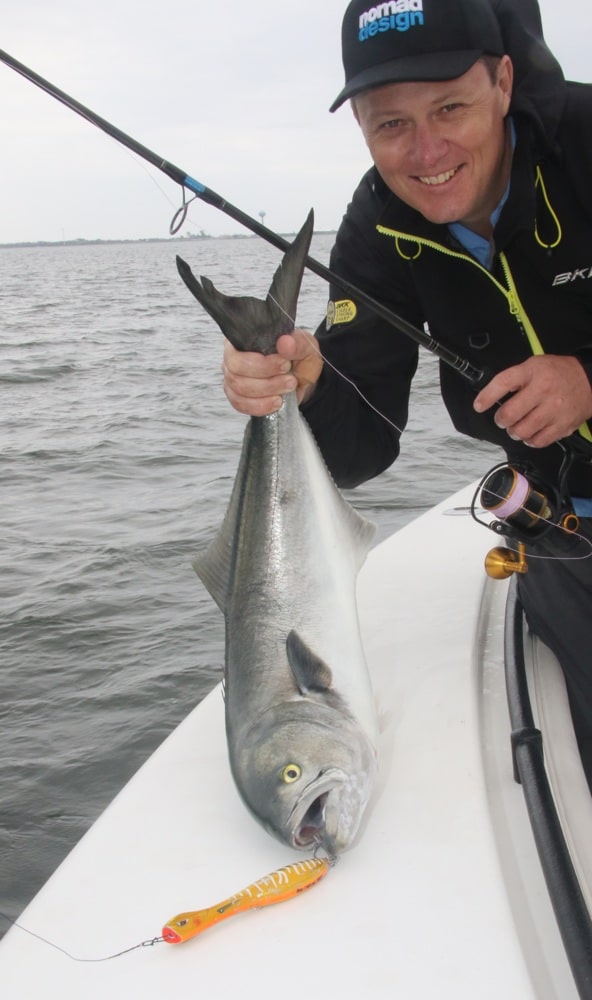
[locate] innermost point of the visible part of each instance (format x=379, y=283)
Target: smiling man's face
x=443, y=147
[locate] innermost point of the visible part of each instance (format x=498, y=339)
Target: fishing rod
x=476, y=376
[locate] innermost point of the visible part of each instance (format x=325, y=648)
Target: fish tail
x=252, y=324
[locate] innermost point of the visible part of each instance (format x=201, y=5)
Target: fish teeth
x=439, y=178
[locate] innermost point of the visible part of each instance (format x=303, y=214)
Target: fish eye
x=182, y=923
x=290, y=773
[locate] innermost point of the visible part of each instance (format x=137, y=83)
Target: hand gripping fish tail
x=301, y=722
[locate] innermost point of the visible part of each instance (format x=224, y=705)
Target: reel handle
x=501, y=563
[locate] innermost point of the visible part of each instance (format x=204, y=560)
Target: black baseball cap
x=404, y=40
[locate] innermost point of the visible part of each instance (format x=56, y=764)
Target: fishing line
x=75, y=958
x=162, y=191
x=316, y=347
x=358, y=390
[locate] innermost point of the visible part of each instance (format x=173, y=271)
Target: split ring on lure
x=285, y=883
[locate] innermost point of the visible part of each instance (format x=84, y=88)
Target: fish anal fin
x=311, y=673
x=214, y=570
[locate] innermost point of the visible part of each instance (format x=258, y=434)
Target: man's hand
x=550, y=398
x=255, y=383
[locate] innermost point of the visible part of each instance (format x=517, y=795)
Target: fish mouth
x=311, y=823
x=308, y=820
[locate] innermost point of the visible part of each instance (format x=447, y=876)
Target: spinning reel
x=519, y=506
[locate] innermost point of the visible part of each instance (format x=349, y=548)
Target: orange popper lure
x=285, y=883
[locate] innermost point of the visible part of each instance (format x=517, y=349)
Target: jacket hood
x=539, y=86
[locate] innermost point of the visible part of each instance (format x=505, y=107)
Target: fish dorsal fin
x=310, y=672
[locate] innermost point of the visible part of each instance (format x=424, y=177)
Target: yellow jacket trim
x=422, y=242
x=539, y=182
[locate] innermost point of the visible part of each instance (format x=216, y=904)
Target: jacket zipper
x=510, y=293
x=517, y=309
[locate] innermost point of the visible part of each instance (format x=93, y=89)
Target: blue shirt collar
x=477, y=245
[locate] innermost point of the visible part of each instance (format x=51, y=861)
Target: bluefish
x=300, y=715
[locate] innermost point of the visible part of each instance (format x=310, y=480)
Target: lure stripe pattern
x=280, y=885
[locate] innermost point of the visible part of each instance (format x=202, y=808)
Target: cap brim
x=431, y=66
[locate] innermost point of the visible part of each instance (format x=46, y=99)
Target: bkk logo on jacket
x=397, y=15
x=581, y=273
x=343, y=311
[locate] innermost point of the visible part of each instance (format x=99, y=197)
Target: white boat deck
x=442, y=896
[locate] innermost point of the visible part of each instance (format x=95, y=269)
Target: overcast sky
x=236, y=94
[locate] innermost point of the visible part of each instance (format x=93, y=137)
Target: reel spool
x=510, y=496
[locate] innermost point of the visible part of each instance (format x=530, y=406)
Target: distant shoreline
x=190, y=238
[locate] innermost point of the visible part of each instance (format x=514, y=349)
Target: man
x=477, y=219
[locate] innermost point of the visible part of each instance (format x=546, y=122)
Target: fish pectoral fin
x=311, y=673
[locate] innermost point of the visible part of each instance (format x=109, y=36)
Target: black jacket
x=543, y=244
